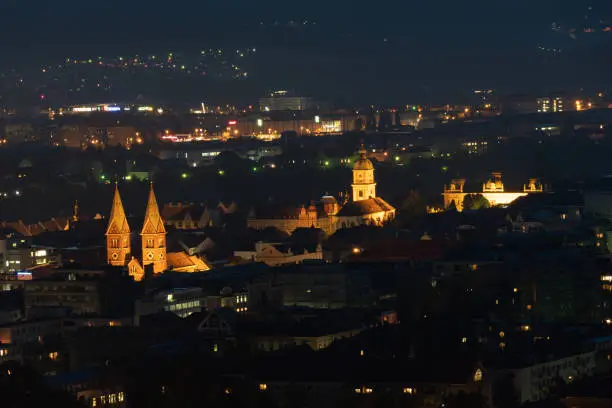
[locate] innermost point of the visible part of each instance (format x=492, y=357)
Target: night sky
x=424, y=49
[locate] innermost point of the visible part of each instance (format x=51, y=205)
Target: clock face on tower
x=115, y=256
x=150, y=256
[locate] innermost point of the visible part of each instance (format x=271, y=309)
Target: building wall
x=269, y=343
x=535, y=383
x=29, y=332
x=456, y=197
x=288, y=225
x=504, y=198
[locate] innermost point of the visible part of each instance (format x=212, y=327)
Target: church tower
x=364, y=186
x=118, y=246
x=153, y=237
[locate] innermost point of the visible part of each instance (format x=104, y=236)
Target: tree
x=475, y=202
x=413, y=206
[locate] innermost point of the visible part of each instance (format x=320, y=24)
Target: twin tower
x=152, y=235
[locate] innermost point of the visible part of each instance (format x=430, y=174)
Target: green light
x=184, y=175
x=326, y=163
x=397, y=158
x=444, y=168
x=103, y=177
x=128, y=177
x=254, y=168
x=221, y=172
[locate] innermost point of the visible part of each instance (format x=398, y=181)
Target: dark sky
x=433, y=46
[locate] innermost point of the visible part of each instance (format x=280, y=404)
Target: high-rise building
x=283, y=101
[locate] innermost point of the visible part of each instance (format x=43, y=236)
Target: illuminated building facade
x=552, y=104
x=493, y=190
x=118, y=235
x=284, y=101
x=154, y=255
x=153, y=237
x=364, y=208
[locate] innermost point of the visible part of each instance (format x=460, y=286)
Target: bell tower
x=153, y=236
x=118, y=246
x=364, y=186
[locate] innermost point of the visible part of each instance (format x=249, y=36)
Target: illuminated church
x=154, y=256
x=363, y=208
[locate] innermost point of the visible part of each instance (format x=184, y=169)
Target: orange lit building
x=154, y=256
x=493, y=190
x=364, y=208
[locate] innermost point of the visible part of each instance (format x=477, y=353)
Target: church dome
x=363, y=163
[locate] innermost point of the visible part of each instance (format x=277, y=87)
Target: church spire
x=118, y=245
x=153, y=236
x=117, y=222
x=153, y=223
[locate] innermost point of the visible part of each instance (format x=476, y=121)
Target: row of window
x=109, y=399
x=182, y=306
x=370, y=390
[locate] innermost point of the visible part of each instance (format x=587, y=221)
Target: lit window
x=103, y=399
x=525, y=328
x=263, y=387
x=121, y=397
x=478, y=375
x=53, y=355
x=112, y=398
x=409, y=390
x=94, y=402
x=3, y=352
x=464, y=340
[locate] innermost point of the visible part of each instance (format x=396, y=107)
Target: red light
x=232, y=122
